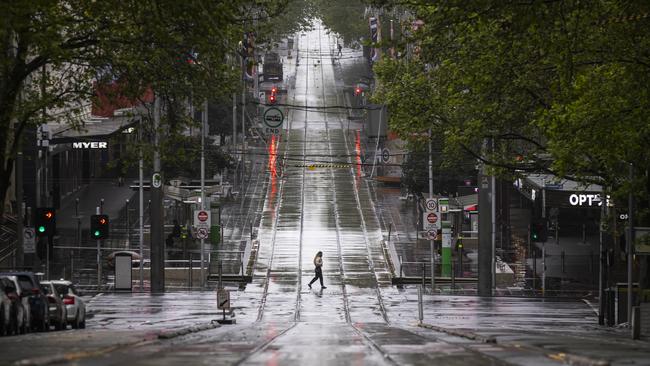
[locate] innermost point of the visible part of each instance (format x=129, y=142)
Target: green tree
x=344, y=17
x=548, y=81
x=54, y=50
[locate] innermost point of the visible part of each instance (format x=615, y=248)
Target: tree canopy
x=560, y=86
x=54, y=51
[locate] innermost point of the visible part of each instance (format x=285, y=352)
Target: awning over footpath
x=96, y=128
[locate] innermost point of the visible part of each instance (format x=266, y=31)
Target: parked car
x=58, y=313
x=75, y=306
x=33, y=298
x=13, y=315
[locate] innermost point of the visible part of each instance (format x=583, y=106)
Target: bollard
x=420, y=309
x=453, y=277
x=400, y=267
x=191, y=272
x=424, y=273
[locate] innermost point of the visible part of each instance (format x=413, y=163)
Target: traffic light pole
x=157, y=267
x=99, y=257
x=485, y=254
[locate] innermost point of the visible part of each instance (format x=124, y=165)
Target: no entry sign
x=430, y=221
x=201, y=219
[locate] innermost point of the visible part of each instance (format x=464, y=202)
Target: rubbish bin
x=123, y=272
x=621, y=300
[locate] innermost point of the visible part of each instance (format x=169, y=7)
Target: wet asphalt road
x=360, y=319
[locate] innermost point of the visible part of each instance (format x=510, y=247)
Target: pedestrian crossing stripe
x=314, y=166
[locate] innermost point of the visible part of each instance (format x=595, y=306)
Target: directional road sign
x=29, y=240
x=223, y=299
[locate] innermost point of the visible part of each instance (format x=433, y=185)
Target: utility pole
x=141, y=208
x=204, y=121
x=157, y=268
x=431, y=242
x=630, y=246
x=19, y=255
x=485, y=254
x=234, y=134
x=243, y=129
x=601, y=267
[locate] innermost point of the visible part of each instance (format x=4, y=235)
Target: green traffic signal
x=96, y=233
x=41, y=229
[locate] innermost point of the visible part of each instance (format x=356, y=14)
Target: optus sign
x=586, y=200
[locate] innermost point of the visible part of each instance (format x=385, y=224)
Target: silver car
x=74, y=305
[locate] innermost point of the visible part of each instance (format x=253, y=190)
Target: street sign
x=29, y=240
x=430, y=221
x=156, y=180
x=223, y=299
x=446, y=237
x=443, y=205
x=431, y=204
x=428, y=234
x=202, y=219
x=642, y=240
x=385, y=155
x=273, y=117
x=202, y=233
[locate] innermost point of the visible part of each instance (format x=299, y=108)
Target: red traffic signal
x=358, y=91
x=272, y=98
x=274, y=90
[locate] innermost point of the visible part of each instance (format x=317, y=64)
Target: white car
x=74, y=305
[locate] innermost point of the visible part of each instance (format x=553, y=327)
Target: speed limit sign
x=431, y=204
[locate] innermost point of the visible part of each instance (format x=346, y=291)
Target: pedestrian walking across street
x=318, y=264
x=338, y=45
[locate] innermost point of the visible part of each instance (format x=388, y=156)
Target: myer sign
x=90, y=145
x=586, y=200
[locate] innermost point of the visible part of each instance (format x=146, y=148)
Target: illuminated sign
x=586, y=200
x=90, y=145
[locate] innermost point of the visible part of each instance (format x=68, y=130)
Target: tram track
x=371, y=264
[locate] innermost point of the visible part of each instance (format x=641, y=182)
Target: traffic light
x=358, y=91
x=99, y=227
x=538, y=230
x=273, y=97
x=45, y=221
